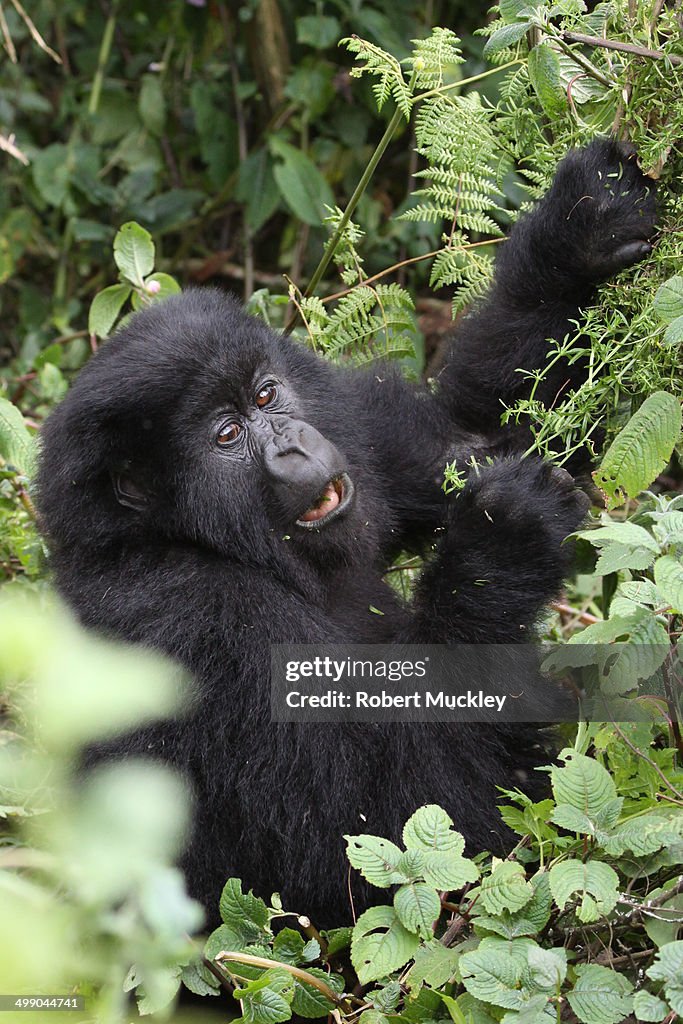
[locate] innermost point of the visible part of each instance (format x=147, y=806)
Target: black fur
x=209, y=570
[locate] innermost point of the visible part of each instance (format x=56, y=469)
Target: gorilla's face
x=305, y=475
x=198, y=424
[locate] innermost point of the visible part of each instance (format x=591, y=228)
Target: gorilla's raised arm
x=596, y=219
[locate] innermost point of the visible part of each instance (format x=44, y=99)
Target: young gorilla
x=210, y=488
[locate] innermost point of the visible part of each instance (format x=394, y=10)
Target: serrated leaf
x=492, y=976
x=376, y=859
x=309, y=1001
x=547, y=968
x=268, y=999
x=301, y=185
x=674, y=333
x=506, y=888
x=435, y=964
x=641, y=450
x=600, y=996
x=583, y=783
x=668, y=302
x=430, y=828
x=105, y=308
x=288, y=946
x=628, y=534
x=544, y=73
x=446, y=869
x=669, y=579
x=17, y=445
x=505, y=36
x=134, y=253
x=614, y=557
x=668, y=968
x=418, y=907
x=648, y=1007
x=511, y=9
x=595, y=882
x=380, y=944
x=338, y=939
x=244, y=913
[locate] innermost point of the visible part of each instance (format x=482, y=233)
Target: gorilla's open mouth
x=332, y=503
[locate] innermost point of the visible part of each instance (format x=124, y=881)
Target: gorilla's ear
x=128, y=492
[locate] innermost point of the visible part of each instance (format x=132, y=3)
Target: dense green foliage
x=193, y=141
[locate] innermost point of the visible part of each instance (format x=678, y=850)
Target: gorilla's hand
x=503, y=557
x=603, y=207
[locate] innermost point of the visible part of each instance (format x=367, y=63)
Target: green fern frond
x=386, y=68
x=433, y=57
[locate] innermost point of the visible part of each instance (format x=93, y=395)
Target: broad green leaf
x=674, y=333
x=288, y=946
x=301, y=185
x=668, y=968
x=221, y=940
x=526, y=922
x=105, y=308
x=492, y=976
x=600, y=996
x=245, y=913
x=506, y=888
x=547, y=968
x=625, y=649
x=376, y=859
x=508, y=35
x=17, y=445
x=648, y=1007
x=434, y=965
x=380, y=944
x=669, y=579
x=338, y=939
x=446, y=869
x=418, y=906
x=583, y=783
x=544, y=72
x=309, y=1001
x=134, y=253
x=52, y=172
x=152, y=105
x=268, y=999
x=641, y=450
x=430, y=828
x=511, y=9
x=614, y=557
x=628, y=534
x=257, y=189
x=595, y=882
x=668, y=301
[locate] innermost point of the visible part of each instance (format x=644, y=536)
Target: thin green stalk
x=103, y=57
x=352, y=204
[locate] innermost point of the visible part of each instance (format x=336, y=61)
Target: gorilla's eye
x=267, y=394
x=228, y=433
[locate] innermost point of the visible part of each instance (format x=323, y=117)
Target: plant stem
x=612, y=44
x=351, y=206
x=466, y=81
x=103, y=57
x=297, y=972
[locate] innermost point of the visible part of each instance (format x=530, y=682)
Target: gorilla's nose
x=299, y=461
